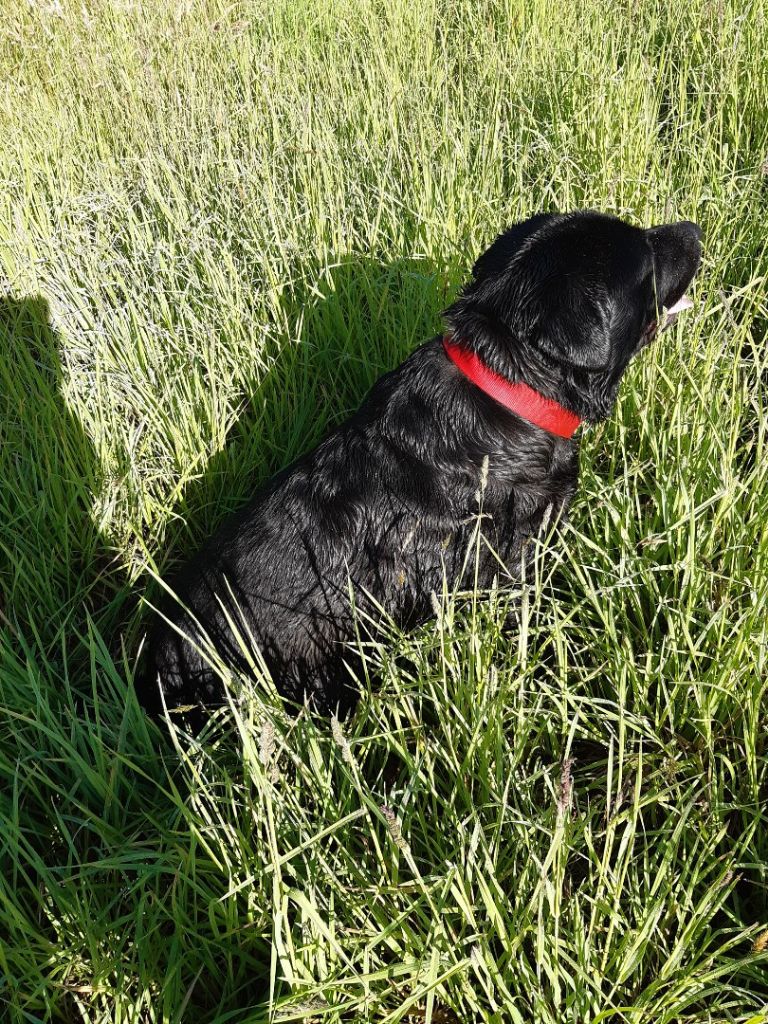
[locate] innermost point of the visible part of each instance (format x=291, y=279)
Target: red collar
x=518, y=398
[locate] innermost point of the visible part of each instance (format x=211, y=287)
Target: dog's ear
x=573, y=323
x=565, y=316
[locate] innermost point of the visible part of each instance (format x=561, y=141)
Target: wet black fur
x=387, y=502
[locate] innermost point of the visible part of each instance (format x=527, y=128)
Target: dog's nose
x=690, y=227
x=677, y=257
x=676, y=248
x=684, y=234
x=681, y=228
x=691, y=231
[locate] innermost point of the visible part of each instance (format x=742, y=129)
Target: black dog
x=385, y=507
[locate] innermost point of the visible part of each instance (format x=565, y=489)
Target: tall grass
x=219, y=222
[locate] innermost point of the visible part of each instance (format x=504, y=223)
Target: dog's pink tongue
x=682, y=303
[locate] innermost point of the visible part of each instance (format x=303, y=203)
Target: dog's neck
x=516, y=396
x=590, y=395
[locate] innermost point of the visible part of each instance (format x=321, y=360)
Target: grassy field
x=219, y=222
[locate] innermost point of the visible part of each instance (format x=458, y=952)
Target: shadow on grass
x=55, y=566
x=354, y=320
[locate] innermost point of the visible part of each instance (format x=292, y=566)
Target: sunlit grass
x=219, y=223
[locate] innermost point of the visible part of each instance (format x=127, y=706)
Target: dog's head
x=564, y=301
